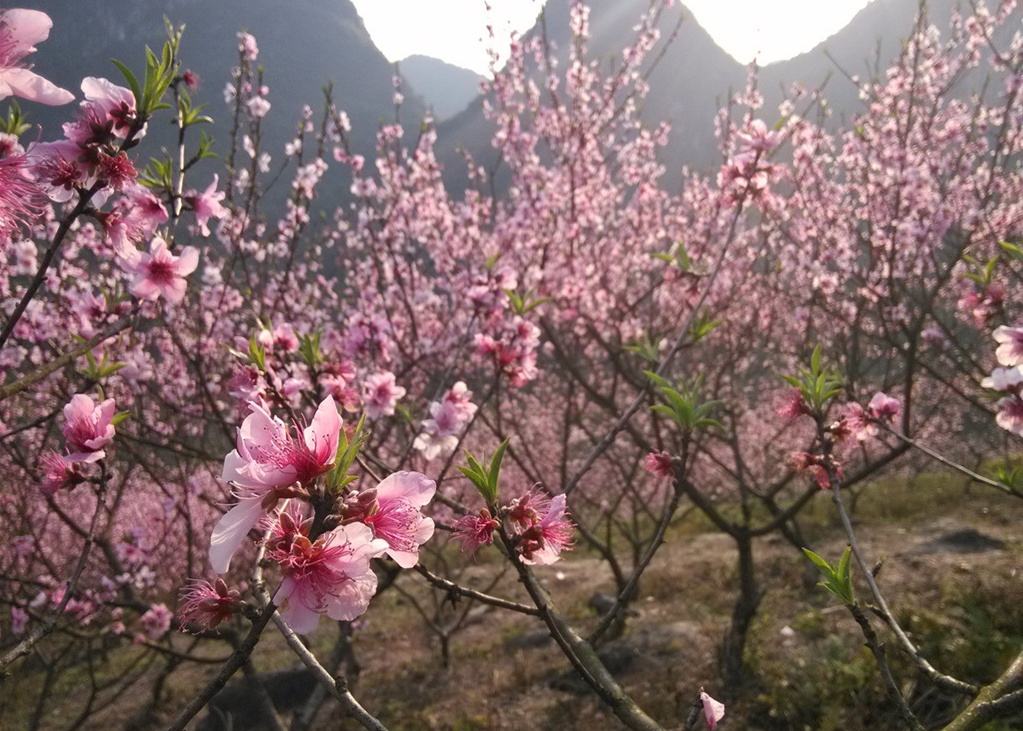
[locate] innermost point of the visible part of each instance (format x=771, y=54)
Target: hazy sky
x=455, y=30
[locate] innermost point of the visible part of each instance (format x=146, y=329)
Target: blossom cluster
x=448, y=419
x=1007, y=379
x=88, y=429
x=539, y=528
x=275, y=470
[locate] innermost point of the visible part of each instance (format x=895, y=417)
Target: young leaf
x=494, y=473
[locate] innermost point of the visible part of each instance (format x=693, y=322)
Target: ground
x=952, y=557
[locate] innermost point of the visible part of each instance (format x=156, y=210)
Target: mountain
x=687, y=86
x=304, y=44
x=694, y=76
x=446, y=88
x=865, y=46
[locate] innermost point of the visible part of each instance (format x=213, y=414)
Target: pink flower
x=135, y=216
x=258, y=106
x=90, y=154
x=58, y=169
x=247, y=46
x=397, y=517
x=793, y=406
x=862, y=423
x=713, y=711
x=757, y=137
x=160, y=272
x=1004, y=379
x=285, y=338
x=883, y=407
x=191, y=79
x=207, y=205
x=473, y=531
x=156, y=621
x=60, y=472
x=331, y=575
x=88, y=427
x=542, y=527
x=19, y=620
x=380, y=395
x=817, y=467
x=269, y=456
x=982, y=304
x=447, y=419
x=20, y=31
x=513, y=350
x=433, y=445
x=1010, y=414
x=21, y=200
x=205, y=605
x=246, y=384
x=1010, y=348
x=117, y=170
x=108, y=110
x=659, y=463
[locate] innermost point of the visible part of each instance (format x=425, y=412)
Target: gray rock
x=966, y=540
x=237, y=707
x=528, y=640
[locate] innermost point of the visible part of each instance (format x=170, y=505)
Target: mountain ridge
x=445, y=87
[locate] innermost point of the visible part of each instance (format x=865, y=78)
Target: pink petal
x=145, y=289
x=260, y=428
x=99, y=89
x=27, y=27
x=405, y=559
x=29, y=85
x=352, y=599
x=174, y=291
x=231, y=530
x=234, y=468
x=415, y=487
x=299, y=617
x=713, y=710
x=325, y=430
x=187, y=261
x=425, y=531
x=79, y=407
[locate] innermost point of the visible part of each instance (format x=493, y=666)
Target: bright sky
x=455, y=30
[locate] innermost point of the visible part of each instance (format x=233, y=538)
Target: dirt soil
x=506, y=674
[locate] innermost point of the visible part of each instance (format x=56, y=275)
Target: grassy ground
x=808, y=667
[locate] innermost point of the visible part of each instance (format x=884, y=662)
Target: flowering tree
x=214, y=421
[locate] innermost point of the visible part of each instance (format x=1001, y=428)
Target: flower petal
x=231, y=530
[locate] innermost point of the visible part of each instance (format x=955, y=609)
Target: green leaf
x=819, y=561
x=339, y=475
x=129, y=76
x=1013, y=250
x=844, y=567
x=16, y=123
x=683, y=404
x=257, y=354
x=494, y=473
x=119, y=417
x=837, y=580
x=816, y=385
x=702, y=327
x=659, y=381
x=309, y=349
x=486, y=479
